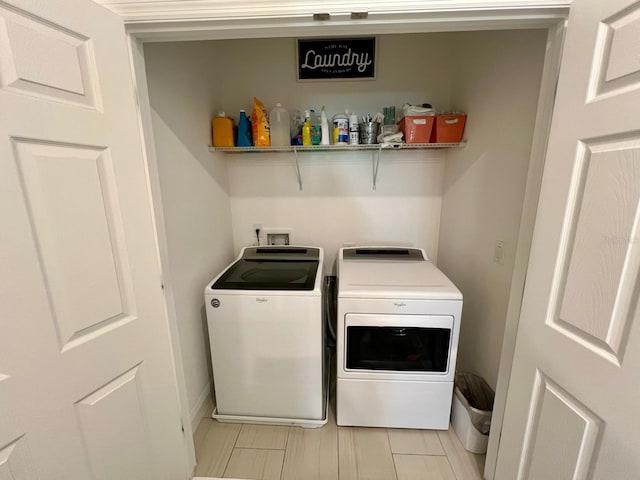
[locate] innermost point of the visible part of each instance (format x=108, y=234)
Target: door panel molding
x=615, y=50
x=551, y=448
x=14, y=460
x=45, y=60
x=78, y=232
x=114, y=427
x=596, y=288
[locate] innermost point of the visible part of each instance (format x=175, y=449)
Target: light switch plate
x=498, y=252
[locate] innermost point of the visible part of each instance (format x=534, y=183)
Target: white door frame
x=143, y=107
x=153, y=25
x=551, y=69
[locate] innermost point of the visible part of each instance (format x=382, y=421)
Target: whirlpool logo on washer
x=399, y=304
x=261, y=299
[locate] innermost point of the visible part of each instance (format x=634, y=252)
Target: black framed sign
x=337, y=58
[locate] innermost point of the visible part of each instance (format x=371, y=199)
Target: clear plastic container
x=296, y=128
x=279, y=126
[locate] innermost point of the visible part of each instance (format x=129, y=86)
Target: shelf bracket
x=375, y=161
x=295, y=155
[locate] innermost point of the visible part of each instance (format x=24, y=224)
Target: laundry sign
x=336, y=58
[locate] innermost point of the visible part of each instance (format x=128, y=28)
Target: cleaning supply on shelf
x=296, y=128
x=244, y=131
x=390, y=139
x=306, y=129
x=316, y=128
x=279, y=126
x=223, y=131
x=324, y=128
x=409, y=110
x=340, y=129
x=354, y=129
x=260, y=125
x=388, y=126
x=389, y=114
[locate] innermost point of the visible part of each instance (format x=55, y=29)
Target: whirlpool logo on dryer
x=261, y=299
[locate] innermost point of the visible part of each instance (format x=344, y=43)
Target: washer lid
x=396, y=254
x=385, y=278
x=272, y=268
x=280, y=253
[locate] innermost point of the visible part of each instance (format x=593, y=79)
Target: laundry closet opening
x=462, y=205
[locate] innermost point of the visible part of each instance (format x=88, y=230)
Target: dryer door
x=389, y=346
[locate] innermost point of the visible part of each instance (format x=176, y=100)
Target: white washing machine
x=397, y=339
x=264, y=313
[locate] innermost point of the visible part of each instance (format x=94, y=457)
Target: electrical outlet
x=257, y=234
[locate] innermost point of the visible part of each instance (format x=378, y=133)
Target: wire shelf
x=375, y=149
x=337, y=148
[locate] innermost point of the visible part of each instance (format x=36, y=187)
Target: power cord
x=330, y=308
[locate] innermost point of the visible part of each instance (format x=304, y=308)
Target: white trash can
x=471, y=411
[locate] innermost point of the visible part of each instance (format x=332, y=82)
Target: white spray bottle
x=354, y=129
x=324, y=128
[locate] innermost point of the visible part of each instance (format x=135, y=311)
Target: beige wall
x=194, y=195
x=337, y=204
x=410, y=68
x=496, y=79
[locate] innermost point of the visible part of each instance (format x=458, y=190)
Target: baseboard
x=203, y=406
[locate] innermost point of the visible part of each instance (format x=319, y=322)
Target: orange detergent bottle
x=223, y=131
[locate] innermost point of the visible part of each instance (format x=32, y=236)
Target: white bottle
x=340, y=129
x=324, y=127
x=279, y=126
x=354, y=129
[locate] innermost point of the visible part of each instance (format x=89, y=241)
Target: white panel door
x=573, y=407
x=87, y=386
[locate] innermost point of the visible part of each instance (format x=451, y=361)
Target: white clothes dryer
x=264, y=314
x=397, y=339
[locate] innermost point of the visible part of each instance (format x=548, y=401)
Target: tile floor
x=331, y=453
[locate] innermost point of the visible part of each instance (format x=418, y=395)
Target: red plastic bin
x=448, y=128
x=416, y=129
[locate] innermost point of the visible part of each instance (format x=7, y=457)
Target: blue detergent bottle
x=244, y=131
